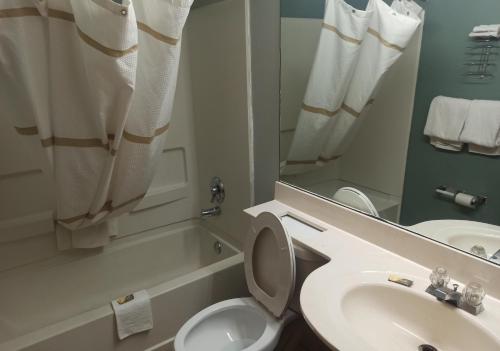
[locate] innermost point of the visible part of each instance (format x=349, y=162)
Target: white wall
x=377, y=156
x=265, y=30
x=209, y=135
x=219, y=50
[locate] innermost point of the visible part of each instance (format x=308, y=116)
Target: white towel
x=486, y=28
x=488, y=151
x=495, y=34
x=134, y=315
x=446, y=121
x=482, y=127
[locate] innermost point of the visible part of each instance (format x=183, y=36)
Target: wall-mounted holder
x=460, y=197
x=482, y=54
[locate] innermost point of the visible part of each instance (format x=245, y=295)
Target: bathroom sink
x=367, y=312
x=462, y=234
x=390, y=318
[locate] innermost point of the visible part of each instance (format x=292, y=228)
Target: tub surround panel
x=219, y=65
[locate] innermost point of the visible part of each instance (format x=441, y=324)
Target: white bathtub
x=64, y=304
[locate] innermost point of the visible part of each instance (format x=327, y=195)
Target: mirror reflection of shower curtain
x=356, y=48
x=94, y=82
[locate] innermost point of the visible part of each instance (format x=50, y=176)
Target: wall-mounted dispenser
x=460, y=197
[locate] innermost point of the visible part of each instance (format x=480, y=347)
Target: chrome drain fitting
x=218, y=247
x=427, y=348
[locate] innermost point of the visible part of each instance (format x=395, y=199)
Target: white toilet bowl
x=254, y=323
x=232, y=325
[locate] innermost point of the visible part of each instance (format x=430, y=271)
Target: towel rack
x=481, y=54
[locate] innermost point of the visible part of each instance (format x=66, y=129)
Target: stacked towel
x=482, y=128
x=446, y=121
x=486, y=31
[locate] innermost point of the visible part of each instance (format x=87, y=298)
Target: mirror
x=392, y=108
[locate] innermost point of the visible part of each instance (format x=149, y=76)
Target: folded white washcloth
x=486, y=28
x=488, y=151
x=482, y=127
x=445, y=122
x=133, y=314
x=446, y=144
x=495, y=34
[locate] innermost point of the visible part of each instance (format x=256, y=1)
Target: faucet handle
x=217, y=190
x=474, y=294
x=439, y=277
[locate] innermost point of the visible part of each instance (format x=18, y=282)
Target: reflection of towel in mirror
x=482, y=128
x=486, y=30
x=446, y=121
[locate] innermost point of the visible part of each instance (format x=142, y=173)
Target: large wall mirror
x=393, y=108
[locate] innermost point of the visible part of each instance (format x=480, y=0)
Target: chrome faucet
x=211, y=212
x=469, y=300
x=218, y=196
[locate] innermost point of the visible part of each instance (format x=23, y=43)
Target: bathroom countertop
x=349, y=255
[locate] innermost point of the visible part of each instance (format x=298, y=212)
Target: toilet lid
x=270, y=263
x=354, y=198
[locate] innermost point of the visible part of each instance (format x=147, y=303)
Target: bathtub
x=63, y=304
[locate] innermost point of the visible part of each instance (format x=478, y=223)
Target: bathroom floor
x=298, y=336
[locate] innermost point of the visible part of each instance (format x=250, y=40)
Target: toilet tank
x=306, y=262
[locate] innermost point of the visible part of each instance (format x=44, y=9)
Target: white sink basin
x=390, y=318
x=462, y=234
x=364, y=311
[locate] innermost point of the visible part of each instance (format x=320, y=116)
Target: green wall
x=302, y=8
x=311, y=8
x=444, y=48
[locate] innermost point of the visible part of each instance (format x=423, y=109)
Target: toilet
x=275, y=269
x=356, y=199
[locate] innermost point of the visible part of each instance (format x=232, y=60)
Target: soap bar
x=398, y=280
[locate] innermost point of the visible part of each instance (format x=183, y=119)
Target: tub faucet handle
x=217, y=190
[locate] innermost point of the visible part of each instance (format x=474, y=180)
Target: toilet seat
x=270, y=264
x=356, y=199
x=255, y=323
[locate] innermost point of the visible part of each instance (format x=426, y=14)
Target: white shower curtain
x=355, y=50
x=93, y=81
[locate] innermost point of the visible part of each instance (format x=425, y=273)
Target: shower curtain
x=356, y=48
x=93, y=83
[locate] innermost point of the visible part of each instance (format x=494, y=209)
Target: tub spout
x=211, y=212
